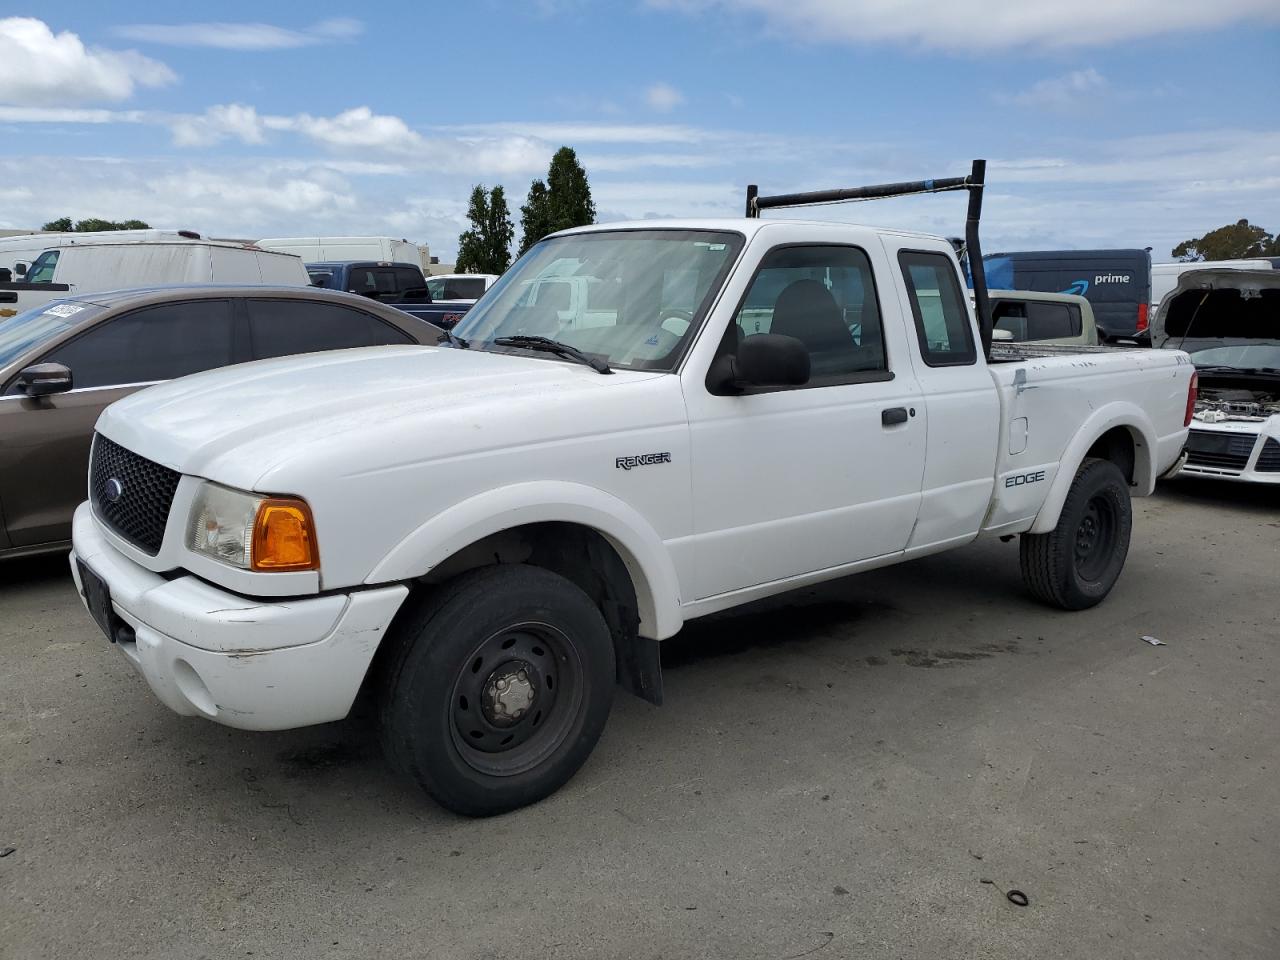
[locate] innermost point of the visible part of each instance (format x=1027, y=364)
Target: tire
x=1076, y=564
x=499, y=688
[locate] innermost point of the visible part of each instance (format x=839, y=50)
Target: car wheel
x=499, y=690
x=1076, y=564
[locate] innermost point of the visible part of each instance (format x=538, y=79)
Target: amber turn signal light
x=284, y=537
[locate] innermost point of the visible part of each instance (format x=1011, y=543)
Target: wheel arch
x=458, y=535
x=1120, y=432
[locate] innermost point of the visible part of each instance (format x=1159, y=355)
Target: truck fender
x=1118, y=414
x=548, y=501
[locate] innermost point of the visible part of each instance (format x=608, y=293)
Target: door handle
x=893, y=415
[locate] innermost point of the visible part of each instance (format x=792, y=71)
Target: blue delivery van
x=1117, y=283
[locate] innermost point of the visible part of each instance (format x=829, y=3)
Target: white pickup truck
x=492, y=534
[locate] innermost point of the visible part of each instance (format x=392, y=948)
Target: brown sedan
x=61, y=363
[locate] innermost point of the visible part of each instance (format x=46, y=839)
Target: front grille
x=1220, y=451
x=146, y=493
x=1269, y=458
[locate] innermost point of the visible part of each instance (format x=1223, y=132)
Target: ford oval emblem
x=114, y=490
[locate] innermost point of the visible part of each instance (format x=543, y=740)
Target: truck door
x=960, y=399
x=790, y=481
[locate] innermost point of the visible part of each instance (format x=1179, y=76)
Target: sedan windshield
x=1258, y=354
x=29, y=329
x=633, y=298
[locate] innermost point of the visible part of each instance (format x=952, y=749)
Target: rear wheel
x=1076, y=564
x=500, y=690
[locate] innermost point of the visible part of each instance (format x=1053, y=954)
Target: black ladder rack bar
x=974, y=183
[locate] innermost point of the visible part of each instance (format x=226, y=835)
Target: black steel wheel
x=1076, y=564
x=500, y=687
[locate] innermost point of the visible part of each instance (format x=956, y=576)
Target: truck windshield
x=632, y=297
x=29, y=329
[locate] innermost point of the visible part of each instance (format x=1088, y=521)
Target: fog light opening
x=193, y=688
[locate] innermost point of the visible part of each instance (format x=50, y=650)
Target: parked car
x=399, y=285
x=1058, y=318
x=81, y=269
x=62, y=363
x=490, y=575
x=377, y=249
x=460, y=287
x=1164, y=276
x=1229, y=322
x=1117, y=283
x=380, y=279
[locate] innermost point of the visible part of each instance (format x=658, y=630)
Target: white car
x=775, y=403
x=1228, y=320
x=459, y=287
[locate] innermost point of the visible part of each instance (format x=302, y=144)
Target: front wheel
x=500, y=690
x=1075, y=565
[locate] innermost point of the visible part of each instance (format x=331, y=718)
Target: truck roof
x=748, y=226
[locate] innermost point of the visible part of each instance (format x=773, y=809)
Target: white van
x=1164, y=276
x=18, y=252
x=95, y=267
x=329, y=249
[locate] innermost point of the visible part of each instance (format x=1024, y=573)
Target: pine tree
x=486, y=247
x=535, y=216
x=562, y=201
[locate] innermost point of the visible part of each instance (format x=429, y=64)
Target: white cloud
x=232, y=120
x=663, y=97
x=358, y=127
x=1070, y=91
x=41, y=68
x=984, y=25
x=70, y=115
x=241, y=36
x=569, y=132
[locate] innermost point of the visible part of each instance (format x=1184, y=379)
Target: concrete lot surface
x=834, y=774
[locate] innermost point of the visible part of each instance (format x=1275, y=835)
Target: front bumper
x=1249, y=453
x=240, y=662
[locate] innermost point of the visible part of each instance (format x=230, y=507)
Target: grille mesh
x=1269, y=458
x=142, y=510
x=1233, y=456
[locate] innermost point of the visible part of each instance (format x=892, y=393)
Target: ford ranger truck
x=748, y=407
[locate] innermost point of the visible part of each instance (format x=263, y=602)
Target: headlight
x=252, y=532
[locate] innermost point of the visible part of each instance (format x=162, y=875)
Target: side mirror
x=20, y=269
x=999, y=334
x=42, y=379
x=763, y=360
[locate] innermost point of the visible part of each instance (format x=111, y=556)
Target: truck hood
x=1219, y=304
x=240, y=424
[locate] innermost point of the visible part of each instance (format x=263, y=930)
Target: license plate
x=97, y=597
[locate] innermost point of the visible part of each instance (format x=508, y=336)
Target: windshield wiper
x=447, y=336
x=547, y=345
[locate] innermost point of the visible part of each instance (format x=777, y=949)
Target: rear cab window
x=938, y=307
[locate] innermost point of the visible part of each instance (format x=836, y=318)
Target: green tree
x=562, y=201
x=486, y=247
x=93, y=225
x=568, y=192
x=1235, y=241
x=535, y=216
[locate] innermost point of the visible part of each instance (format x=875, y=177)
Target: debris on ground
x=5, y=851
x=1154, y=642
x=1016, y=897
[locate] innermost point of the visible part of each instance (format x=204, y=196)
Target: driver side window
x=825, y=297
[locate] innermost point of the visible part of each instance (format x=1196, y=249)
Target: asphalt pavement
x=860, y=770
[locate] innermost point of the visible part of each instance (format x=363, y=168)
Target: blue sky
x=1141, y=123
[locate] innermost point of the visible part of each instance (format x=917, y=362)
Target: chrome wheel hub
x=508, y=694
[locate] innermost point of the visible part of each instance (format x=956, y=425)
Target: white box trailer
x=330, y=249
